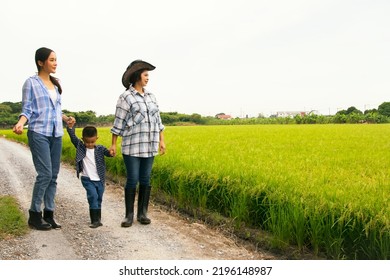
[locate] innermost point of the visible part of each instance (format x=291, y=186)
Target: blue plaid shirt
x=43, y=116
x=138, y=121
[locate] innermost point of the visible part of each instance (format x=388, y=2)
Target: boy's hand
x=70, y=122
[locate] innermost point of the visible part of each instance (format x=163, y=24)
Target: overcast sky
x=237, y=57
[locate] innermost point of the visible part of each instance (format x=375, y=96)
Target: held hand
x=70, y=122
x=113, y=150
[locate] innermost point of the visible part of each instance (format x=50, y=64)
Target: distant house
x=284, y=114
x=223, y=117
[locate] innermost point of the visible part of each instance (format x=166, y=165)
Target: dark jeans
x=46, y=155
x=138, y=170
x=95, y=190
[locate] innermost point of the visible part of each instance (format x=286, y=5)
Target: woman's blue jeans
x=46, y=155
x=95, y=190
x=138, y=170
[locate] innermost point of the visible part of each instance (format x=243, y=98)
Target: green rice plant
x=279, y=225
x=325, y=187
x=315, y=232
x=326, y=173
x=299, y=226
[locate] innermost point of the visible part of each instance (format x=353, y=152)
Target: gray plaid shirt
x=138, y=122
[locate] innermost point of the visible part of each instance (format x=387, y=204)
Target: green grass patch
x=12, y=220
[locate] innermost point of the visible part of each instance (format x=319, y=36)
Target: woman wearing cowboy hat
x=138, y=122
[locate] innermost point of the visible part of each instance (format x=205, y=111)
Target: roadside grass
x=12, y=220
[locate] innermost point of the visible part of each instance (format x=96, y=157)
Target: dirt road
x=168, y=237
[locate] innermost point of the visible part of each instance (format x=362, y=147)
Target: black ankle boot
x=35, y=221
x=129, y=204
x=48, y=216
x=143, y=203
x=94, y=215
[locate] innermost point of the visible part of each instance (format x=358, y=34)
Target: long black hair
x=42, y=54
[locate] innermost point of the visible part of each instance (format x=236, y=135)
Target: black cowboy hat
x=135, y=66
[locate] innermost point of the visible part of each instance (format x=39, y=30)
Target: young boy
x=90, y=163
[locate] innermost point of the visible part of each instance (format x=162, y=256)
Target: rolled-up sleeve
x=160, y=125
x=27, y=100
x=121, y=113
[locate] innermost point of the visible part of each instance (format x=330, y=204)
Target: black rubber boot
x=143, y=203
x=93, y=213
x=129, y=204
x=99, y=215
x=48, y=216
x=36, y=221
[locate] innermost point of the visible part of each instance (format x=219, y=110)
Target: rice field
x=323, y=187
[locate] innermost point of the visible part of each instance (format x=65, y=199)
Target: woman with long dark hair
x=41, y=110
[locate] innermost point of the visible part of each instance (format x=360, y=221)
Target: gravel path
x=168, y=237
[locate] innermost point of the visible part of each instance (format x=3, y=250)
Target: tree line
x=9, y=114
